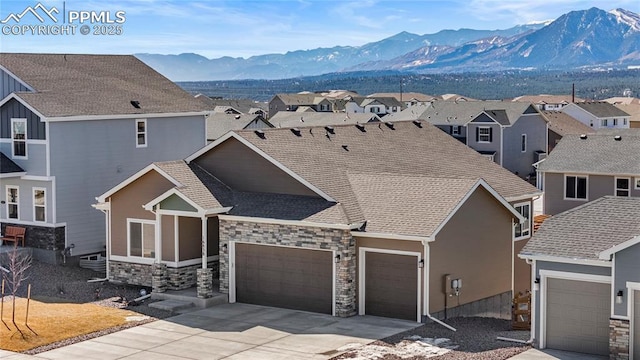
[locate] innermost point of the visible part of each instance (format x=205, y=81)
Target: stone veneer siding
x=309, y=237
x=618, y=339
x=140, y=274
x=48, y=239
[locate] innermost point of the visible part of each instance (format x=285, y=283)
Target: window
x=455, y=130
x=141, y=236
x=374, y=109
x=523, y=230
x=39, y=205
x=623, y=186
x=624, y=122
x=19, y=138
x=523, y=143
x=483, y=134
x=141, y=133
x=490, y=156
x=13, y=207
x=605, y=122
x=637, y=183
x=615, y=122
x=575, y=187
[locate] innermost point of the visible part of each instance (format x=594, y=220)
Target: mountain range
x=578, y=39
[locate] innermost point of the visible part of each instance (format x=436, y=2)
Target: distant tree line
x=590, y=85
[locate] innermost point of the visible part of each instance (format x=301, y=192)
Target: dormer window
x=141, y=133
x=19, y=138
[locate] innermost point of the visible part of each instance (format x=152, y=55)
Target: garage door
x=291, y=278
x=577, y=316
x=391, y=288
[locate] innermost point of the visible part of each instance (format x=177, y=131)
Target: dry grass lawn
x=55, y=322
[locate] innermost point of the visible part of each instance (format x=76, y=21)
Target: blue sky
x=237, y=28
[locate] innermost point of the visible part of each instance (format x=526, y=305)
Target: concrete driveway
x=234, y=331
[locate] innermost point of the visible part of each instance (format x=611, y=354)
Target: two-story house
x=598, y=115
x=548, y=102
x=72, y=126
x=380, y=106
x=407, y=98
x=511, y=134
x=295, y=102
x=586, y=167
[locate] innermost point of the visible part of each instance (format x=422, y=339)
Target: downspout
x=426, y=291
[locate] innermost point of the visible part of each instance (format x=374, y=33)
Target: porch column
x=204, y=242
x=158, y=238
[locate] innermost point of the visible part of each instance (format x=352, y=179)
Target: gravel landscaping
x=475, y=338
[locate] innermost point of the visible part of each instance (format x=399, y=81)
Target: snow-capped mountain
x=576, y=39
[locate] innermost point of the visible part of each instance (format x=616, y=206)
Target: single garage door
x=577, y=316
x=284, y=277
x=391, y=288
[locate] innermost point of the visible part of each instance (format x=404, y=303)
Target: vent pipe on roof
x=330, y=129
x=389, y=125
x=135, y=104
x=583, y=136
x=617, y=138
x=417, y=123
x=361, y=127
x=260, y=134
x=345, y=147
x=296, y=131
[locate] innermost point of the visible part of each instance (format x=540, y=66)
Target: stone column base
x=618, y=339
x=159, y=278
x=205, y=283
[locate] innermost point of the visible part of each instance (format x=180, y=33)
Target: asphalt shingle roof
x=598, y=153
x=564, y=124
x=77, y=85
x=460, y=113
x=585, y=231
x=601, y=109
x=288, y=119
x=192, y=187
x=219, y=124
x=325, y=159
x=7, y=166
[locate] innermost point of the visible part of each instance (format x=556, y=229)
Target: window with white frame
x=637, y=183
x=39, y=205
x=575, y=187
x=141, y=133
x=605, y=122
x=374, y=109
x=623, y=186
x=615, y=122
x=13, y=206
x=624, y=122
x=455, y=130
x=523, y=230
x=523, y=143
x=141, y=236
x=484, y=134
x=19, y=138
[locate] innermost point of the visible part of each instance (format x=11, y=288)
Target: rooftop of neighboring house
x=78, y=85
x=219, y=124
x=454, y=97
x=7, y=166
x=605, y=152
x=564, y=124
x=293, y=119
x=369, y=100
x=403, y=152
x=627, y=104
x=305, y=98
x=460, y=113
x=601, y=109
x=583, y=233
x=547, y=99
x=405, y=96
x=245, y=106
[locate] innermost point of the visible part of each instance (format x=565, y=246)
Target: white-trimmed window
x=605, y=122
x=575, y=187
x=623, y=186
x=141, y=133
x=39, y=205
x=615, y=122
x=19, y=138
x=13, y=205
x=483, y=134
x=141, y=238
x=455, y=130
x=624, y=121
x=523, y=143
x=523, y=230
x=637, y=183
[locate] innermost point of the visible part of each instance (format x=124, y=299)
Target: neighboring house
x=291, y=102
x=407, y=98
x=380, y=106
x=219, y=124
x=548, y=102
x=376, y=218
x=587, y=279
x=598, y=115
x=562, y=124
x=511, y=134
x=235, y=106
x=292, y=120
x=586, y=167
x=629, y=105
x=73, y=126
x=454, y=97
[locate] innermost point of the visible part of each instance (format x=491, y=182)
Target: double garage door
x=291, y=278
x=577, y=316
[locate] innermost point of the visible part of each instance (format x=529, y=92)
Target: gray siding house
x=586, y=167
x=586, y=279
x=512, y=134
x=76, y=125
x=598, y=115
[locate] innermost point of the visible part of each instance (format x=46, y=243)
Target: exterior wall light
x=619, y=297
x=337, y=258
x=421, y=263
